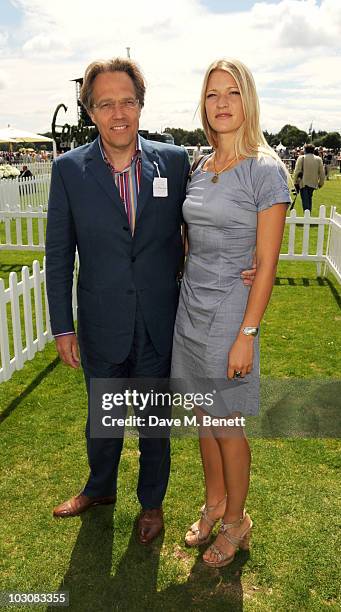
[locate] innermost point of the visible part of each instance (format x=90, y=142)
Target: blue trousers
x=104, y=453
x=307, y=197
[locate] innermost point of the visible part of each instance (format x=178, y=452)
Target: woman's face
x=223, y=103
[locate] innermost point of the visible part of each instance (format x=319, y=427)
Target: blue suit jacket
x=116, y=268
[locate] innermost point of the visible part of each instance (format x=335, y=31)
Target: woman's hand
x=240, y=357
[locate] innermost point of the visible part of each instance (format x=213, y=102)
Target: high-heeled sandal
x=195, y=530
x=242, y=542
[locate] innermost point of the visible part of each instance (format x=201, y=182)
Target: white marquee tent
x=11, y=134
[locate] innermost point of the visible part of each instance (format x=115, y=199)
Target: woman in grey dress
x=236, y=202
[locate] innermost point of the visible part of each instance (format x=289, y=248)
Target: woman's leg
x=215, y=490
x=213, y=466
x=236, y=459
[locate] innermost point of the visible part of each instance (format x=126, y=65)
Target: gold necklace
x=215, y=178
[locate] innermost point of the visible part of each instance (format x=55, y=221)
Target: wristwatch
x=250, y=331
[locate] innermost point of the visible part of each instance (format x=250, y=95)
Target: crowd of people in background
x=25, y=157
x=330, y=158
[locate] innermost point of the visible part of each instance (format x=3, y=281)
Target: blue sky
x=292, y=47
x=232, y=6
x=10, y=14
x=235, y=6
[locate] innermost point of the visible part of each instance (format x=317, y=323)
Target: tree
x=196, y=137
x=291, y=136
x=188, y=138
x=317, y=137
x=178, y=134
x=271, y=139
x=331, y=140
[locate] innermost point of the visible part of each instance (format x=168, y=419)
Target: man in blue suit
x=105, y=201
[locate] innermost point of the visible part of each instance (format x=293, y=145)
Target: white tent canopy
x=6, y=140
x=280, y=147
x=11, y=134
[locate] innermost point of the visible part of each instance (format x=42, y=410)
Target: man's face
x=117, y=123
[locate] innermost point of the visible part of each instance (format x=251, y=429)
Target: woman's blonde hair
x=250, y=141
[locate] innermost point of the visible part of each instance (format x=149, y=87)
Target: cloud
x=3, y=79
x=3, y=39
x=41, y=44
x=292, y=47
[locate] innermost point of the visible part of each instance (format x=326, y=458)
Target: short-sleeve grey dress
x=222, y=224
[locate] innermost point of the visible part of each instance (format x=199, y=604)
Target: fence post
x=18, y=230
x=29, y=227
x=25, y=275
x=292, y=233
x=5, y=374
x=306, y=231
x=41, y=232
x=16, y=322
x=47, y=312
x=38, y=305
x=332, y=209
x=320, y=238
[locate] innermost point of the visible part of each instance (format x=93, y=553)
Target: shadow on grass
x=309, y=282
x=133, y=587
x=5, y=269
x=312, y=413
x=206, y=589
x=38, y=379
x=334, y=291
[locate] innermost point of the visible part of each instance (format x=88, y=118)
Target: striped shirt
x=128, y=181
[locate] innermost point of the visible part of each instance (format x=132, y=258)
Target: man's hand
x=248, y=276
x=67, y=347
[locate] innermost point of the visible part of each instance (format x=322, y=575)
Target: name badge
x=160, y=187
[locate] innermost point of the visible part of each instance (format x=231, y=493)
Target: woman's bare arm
x=270, y=227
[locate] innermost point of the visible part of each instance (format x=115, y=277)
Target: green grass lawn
x=294, y=496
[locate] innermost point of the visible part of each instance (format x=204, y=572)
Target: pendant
x=215, y=178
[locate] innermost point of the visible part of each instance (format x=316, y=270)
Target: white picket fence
x=21, y=339
x=22, y=331
x=19, y=193
x=307, y=221
x=37, y=332
x=36, y=168
x=333, y=251
x=29, y=223
x=24, y=225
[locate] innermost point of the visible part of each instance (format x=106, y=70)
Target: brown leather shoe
x=80, y=503
x=150, y=524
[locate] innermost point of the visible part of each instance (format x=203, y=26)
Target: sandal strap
x=206, y=509
x=222, y=556
x=234, y=540
x=236, y=523
x=210, y=522
x=230, y=537
x=204, y=515
x=209, y=508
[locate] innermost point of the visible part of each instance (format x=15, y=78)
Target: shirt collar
x=137, y=154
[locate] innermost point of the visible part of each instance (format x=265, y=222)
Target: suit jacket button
x=130, y=291
x=133, y=259
x=126, y=228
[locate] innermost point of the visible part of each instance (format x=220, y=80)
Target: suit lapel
x=95, y=164
x=149, y=156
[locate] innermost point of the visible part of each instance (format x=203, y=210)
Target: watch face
x=250, y=331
